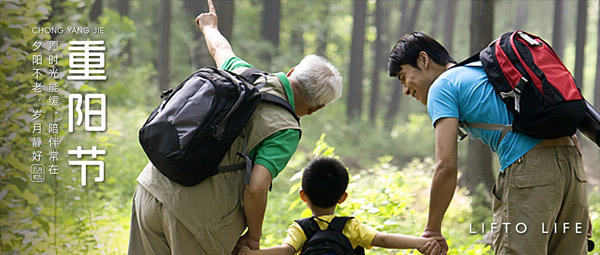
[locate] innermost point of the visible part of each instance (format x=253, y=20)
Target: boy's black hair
x=407, y=51
x=324, y=181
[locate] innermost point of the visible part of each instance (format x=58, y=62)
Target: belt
x=563, y=141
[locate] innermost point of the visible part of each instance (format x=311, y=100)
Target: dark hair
x=324, y=181
x=407, y=51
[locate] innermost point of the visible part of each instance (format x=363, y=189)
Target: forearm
x=443, y=183
x=255, y=200
x=397, y=241
x=218, y=46
x=442, y=190
x=255, y=204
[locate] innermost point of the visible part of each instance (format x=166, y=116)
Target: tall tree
x=522, y=12
x=597, y=88
x=407, y=24
x=355, y=93
x=479, y=158
x=438, y=6
x=323, y=35
x=271, y=18
x=558, y=41
x=380, y=49
x=123, y=7
x=164, y=52
x=580, y=40
x=96, y=10
x=449, y=25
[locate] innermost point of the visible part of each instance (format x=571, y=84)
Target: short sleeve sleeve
x=233, y=63
x=442, y=101
x=275, y=151
x=295, y=237
x=362, y=235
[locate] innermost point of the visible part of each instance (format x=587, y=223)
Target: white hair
x=319, y=80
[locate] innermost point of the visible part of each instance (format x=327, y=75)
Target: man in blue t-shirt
x=540, y=183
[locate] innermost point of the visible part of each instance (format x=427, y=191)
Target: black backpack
x=189, y=133
x=535, y=85
x=328, y=241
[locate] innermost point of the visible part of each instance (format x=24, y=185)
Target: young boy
x=324, y=184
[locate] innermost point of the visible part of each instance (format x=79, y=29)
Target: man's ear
x=343, y=198
x=423, y=60
x=303, y=195
x=290, y=72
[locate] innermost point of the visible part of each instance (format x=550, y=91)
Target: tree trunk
x=438, y=6
x=297, y=35
x=558, y=34
x=226, y=10
x=199, y=55
x=407, y=25
x=379, y=47
x=580, y=41
x=270, y=24
x=323, y=35
x=522, y=11
x=123, y=7
x=96, y=10
x=410, y=25
x=597, y=88
x=355, y=93
x=449, y=25
x=479, y=160
x=164, y=35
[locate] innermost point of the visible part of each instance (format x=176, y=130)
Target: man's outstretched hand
x=208, y=19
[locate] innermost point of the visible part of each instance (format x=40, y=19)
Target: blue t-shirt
x=465, y=93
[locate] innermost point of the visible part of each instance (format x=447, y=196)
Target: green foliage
x=383, y=196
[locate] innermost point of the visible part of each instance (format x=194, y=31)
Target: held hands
x=208, y=19
x=243, y=250
x=246, y=242
x=437, y=246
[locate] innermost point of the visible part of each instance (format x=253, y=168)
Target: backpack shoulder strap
x=471, y=59
x=487, y=126
x=281, y=102
x=252, y=74
x=338, y=223
x=309, y=227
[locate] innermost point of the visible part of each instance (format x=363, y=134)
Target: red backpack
x=535, y=85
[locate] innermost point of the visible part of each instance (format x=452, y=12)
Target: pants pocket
x=536, y=192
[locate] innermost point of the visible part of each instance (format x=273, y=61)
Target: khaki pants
x=213, y=230
x=546, y=186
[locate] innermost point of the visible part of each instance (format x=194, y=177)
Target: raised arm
x=218, y=46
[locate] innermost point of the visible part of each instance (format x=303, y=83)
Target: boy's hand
x=440, y=240
x=243, y=250
x=208, y=19
x=431, y=248
x=245, y=240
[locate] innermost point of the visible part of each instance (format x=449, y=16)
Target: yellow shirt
x=355, y=231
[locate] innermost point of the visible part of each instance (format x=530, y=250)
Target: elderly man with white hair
x=210, y=217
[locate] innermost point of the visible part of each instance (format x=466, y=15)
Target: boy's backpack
x=189, y=133
x=330, y=241
x=535, y=85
